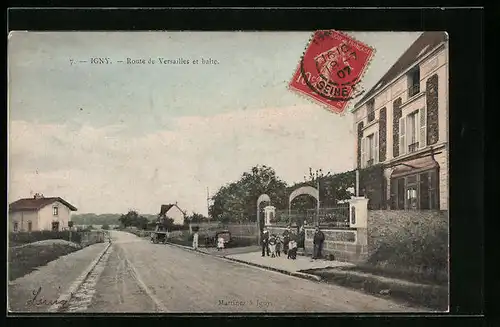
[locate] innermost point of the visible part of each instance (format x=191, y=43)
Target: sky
x=113, y=137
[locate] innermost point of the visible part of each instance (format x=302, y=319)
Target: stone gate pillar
x=358, y=218
x=269, y=213
x=358, y=212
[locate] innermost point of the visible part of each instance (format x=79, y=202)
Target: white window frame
x=402, y=135
x=368, y=148
x=420, y=130
x=422, y=121
x=55, y=211
x=415, y=117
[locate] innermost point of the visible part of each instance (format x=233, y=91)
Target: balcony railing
x=413, y=90
x=413, y=147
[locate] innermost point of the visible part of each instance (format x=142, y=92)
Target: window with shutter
x=402, y=135
x=423, y=128
x=375, y=141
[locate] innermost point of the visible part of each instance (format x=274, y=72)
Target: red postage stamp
x=331, y=69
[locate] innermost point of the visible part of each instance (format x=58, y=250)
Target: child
x=195, y=241
x=279, y=244
x=220, y=243
x=272, y=245
x=292, y=251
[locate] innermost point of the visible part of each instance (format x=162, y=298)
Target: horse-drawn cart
x=159, y=235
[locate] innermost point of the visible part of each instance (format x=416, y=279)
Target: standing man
x=319, y=238
x=286, y=240
x=265, y=242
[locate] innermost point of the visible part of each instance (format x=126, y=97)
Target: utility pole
x=317, y=202
x=356, y=191
x=208, y=205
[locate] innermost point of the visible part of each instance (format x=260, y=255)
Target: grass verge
x=434, y=297
x=26, y=258
x=420, y=276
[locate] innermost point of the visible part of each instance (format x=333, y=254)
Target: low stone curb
x=286, y=272
x=79, y=281
x=290, y=273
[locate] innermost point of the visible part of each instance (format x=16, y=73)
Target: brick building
x=402, y=130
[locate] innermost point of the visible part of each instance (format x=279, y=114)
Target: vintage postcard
x=228, y=172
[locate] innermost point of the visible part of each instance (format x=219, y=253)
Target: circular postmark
x=332, y=66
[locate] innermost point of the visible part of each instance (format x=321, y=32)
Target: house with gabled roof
x=402, y=130
x=173, y=211
x=39, y=213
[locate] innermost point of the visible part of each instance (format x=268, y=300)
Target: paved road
x=144, y=277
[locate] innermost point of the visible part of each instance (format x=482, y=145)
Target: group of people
x=273, y=244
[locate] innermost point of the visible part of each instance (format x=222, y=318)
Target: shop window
x=416, y=192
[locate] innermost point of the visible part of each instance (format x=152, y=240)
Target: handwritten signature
x=38, y=300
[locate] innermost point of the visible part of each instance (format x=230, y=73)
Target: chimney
x=38, y=196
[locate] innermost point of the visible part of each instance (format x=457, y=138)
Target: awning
x=414, y=166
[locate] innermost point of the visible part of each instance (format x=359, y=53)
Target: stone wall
x=345, y=244
x=382, y=132
x=432, y=102
x=396, y=114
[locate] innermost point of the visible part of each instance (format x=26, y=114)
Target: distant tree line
x=102, y=219
x=134, y=219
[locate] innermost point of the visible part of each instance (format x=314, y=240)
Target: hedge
x=412, y=243
x=79, y=237
x=20, y=238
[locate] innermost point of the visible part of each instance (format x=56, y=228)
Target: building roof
x=422, y=46
x=166, y=208
x=35, y=204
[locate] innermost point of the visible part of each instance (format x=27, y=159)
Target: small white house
x=39, y=213
x=173, y=211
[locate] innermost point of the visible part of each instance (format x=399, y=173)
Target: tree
x=105, y=227
x=133, y=219
x=236, y=201
x=166, y=222
x=196, y=218
x=332, y=187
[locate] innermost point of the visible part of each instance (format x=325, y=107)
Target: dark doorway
x=55, y=226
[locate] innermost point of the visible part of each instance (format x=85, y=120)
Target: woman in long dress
x=195, y=241
x=220, y=243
